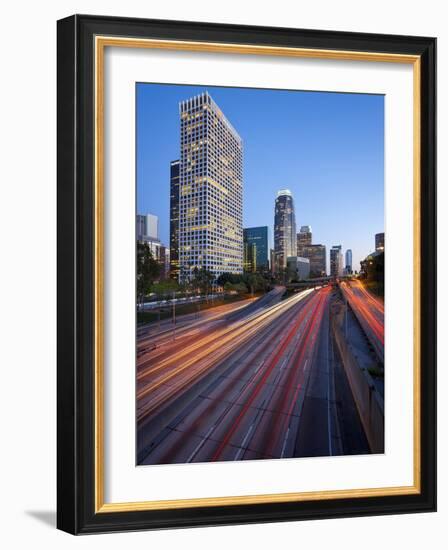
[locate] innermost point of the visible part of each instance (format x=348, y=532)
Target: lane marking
x=243, y=443
x=284, y=443
x=201, y=444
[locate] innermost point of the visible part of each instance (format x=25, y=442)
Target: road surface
x=369, y=312
x=255, y=383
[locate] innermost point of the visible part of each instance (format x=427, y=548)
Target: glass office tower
x=285, y=238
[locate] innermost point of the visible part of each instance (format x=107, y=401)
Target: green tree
x=148, y=270
x=166, y=286
x=203, y=280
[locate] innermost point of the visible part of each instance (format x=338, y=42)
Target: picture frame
x=82, y=42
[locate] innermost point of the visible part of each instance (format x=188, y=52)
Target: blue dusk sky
x=327, y=148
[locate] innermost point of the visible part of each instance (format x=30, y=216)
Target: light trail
x=369, y=313
x=216, y=347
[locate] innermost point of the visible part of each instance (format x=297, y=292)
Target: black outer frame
x=75, y=310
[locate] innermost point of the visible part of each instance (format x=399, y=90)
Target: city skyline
x=155, y=105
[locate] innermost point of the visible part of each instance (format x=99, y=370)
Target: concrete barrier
x=369, y=402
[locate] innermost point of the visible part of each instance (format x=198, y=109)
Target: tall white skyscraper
x=210, y=190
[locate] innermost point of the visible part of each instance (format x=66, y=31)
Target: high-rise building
x=257, y=236
x=298, y=268
x=348, y=262
x=174, y=219
x=336, y=261
x=147, y=227
x=379, y=242
x=211, y=190
x=317, y=255
x=250, y=257
x=148, y=232
x=272, y=260
x=304, y=238
x=285, y=238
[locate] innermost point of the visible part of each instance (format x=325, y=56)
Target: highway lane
x=369, y=312
x=246, y=392
x=166, y=372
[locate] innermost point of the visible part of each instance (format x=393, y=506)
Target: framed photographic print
x=246, y=274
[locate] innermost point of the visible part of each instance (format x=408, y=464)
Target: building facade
x=317, y=255
x=147, y=227
x=336, y=261
x=257, y=237
x=211, y=190
x=298, y=268
x=304, y=238
x=285, y=238
x=174, y=218
x=348, y=262
x=250, y=257
x=379, y=242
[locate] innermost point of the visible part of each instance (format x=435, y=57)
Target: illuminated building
x=211, y=190
x=258, y=237
x=174, y=219
x=336, y=261
x=304, y=238
x=250, y=257
x=285, y=238
x=348, y=262
x=379, y=242
x=317, y=255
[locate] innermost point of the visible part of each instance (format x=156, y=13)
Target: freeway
x=255, y=383
x=369, y=311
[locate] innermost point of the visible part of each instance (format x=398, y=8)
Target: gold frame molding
x=101, y=42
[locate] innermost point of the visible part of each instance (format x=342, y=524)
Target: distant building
x=317, y=255
x=348, y=262
x=174, y=218
x=258, y=237
x=304, y=238
x=148, y=232
x=285, y=238
x=298, y=268
x=147, y=227
x=336, y=261
x=379, y=242
x=211, y=190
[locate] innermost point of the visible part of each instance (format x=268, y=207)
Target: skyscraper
x=379, y=242
x=258, y=236
x=304, y=238
x=348, y=262
x=250, y=257
x=174, y=219
x=336, y=261
x=285, y=238
x=211, y=190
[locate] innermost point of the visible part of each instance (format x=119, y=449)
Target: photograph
x=260, y=254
